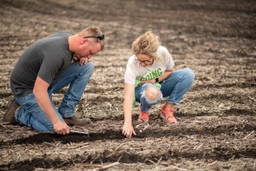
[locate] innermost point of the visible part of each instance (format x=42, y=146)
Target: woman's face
x=144, y=60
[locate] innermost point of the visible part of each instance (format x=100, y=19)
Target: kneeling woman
x=149, y=77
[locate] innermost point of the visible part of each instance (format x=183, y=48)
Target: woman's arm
x=166, y=74
x=127, y=107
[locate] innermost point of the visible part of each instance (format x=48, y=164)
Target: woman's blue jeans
x=175, y=86
x=31, y=115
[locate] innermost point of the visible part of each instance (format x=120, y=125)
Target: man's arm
x=41, y=94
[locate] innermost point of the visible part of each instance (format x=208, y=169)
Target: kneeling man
x=45, y=67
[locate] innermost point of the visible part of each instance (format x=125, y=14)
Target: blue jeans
x=175, y=86
x=31, y=115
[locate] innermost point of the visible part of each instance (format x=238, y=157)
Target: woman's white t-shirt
x=134, y=71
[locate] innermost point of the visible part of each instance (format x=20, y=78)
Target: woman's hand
x=166, y=74
x=128, y=130
x=148, y=81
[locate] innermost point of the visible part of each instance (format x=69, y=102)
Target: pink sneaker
x=167, y=115
x=143, y=117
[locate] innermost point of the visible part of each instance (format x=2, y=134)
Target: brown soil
x=216, y=127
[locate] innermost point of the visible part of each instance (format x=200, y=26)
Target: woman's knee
x=152, y=93
x=189, y=75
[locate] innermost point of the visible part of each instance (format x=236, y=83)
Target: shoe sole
x=8, y=110
x=161, y=115
x=141, y=120
x=73, y=123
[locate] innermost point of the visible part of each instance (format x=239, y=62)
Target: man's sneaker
x=75, y=121
x=143, y=117
x=167, y=115
x=10, y=112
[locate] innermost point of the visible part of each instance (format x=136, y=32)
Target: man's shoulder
x=58, y=40
x=64, y=33
x=59, y=34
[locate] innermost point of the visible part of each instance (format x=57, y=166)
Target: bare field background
x=216, y=127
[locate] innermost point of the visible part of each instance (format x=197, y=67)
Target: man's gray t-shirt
x=48, y=58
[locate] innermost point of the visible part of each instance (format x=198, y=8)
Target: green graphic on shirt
x=152, y=75
x=142, y=77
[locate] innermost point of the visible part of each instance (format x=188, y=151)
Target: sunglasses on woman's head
x=99, y=36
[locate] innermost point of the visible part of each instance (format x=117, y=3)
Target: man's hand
x=61, y=128
x=82, y=61
x=128, y=130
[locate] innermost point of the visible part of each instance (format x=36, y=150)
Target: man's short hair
x=91, y=31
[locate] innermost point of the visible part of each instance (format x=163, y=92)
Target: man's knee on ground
x=152, y=93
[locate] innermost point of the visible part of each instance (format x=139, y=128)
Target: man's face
x=87, y=49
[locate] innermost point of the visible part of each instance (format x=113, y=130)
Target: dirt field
x=216, y=127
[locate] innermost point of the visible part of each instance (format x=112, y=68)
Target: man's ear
x=84, y=40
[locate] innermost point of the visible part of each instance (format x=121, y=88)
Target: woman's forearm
x=128, y=100
x=127, y=107
x=163, y=77
x=166, y=74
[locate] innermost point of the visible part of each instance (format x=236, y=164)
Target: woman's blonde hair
x=146, y=44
